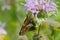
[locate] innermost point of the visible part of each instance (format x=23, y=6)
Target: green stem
x=38, y=31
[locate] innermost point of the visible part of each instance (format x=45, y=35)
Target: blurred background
x=12, y=12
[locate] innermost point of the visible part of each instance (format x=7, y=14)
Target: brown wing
x=25, y=26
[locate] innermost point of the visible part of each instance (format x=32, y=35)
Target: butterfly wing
x=26, y=25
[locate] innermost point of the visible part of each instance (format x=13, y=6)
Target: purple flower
x=2, y=30
x=32, y=5
x=48, y=6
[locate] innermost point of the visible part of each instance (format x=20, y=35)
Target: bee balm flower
x=32, y=5
x=48, y=6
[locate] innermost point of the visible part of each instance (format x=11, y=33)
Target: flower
x=6, y=7
x=2, y=30
x=48, y=6
x=35, y=6
x=32, y=5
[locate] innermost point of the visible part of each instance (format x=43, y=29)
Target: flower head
x=6, y=7
x=32, y=5
x=2, y=30
x=35, y=6
x=48, y=6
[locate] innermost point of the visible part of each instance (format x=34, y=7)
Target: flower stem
x=38, y=31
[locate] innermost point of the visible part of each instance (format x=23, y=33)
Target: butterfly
x=28, y=25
